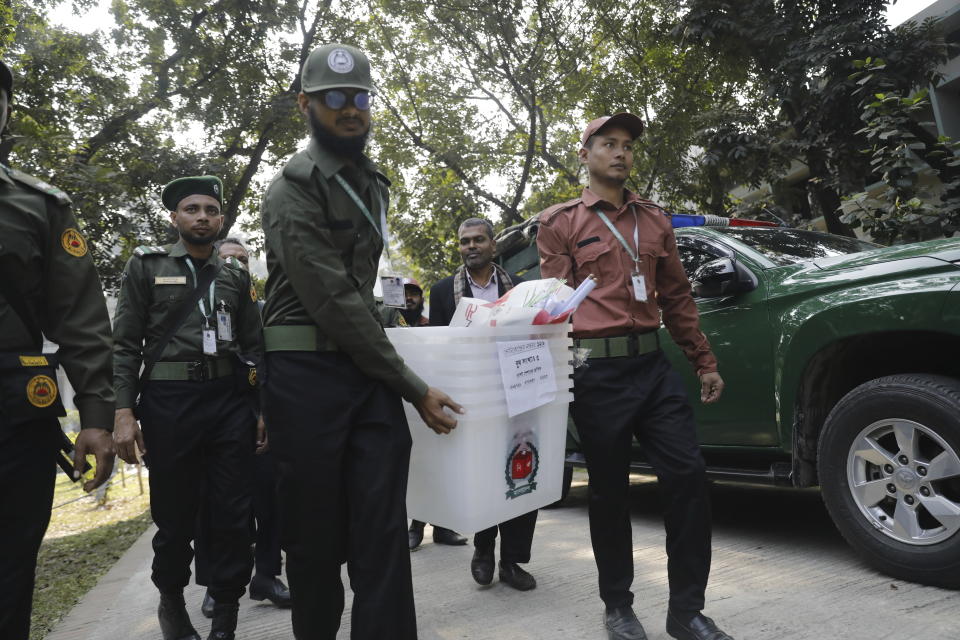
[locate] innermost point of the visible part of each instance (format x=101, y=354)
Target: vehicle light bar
x=708, y=220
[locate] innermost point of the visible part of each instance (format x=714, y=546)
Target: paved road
x=780, y=570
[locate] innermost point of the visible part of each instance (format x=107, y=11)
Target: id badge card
x=639, y=287
x=209, y=342
x=393, y=295
x=224, y=326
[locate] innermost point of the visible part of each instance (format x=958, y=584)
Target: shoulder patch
x=551, y=212
x=39, y=185
x=150, y=250
x=73, y=243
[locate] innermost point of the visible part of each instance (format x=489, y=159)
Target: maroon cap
x=628, y=121
x=411, y=282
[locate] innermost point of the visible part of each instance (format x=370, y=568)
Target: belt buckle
x=197, y=372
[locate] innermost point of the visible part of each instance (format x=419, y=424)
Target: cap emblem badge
x=340, y=61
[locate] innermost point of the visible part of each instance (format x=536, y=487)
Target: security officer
x=334, y=383
x=265, y=583
x=48, y=285
x=629, y=388
x=199, y=429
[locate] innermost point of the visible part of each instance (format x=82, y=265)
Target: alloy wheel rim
x=905, y=479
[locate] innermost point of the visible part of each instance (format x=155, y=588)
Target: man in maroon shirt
x=629, y=388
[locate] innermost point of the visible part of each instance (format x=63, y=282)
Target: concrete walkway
x=780, y=570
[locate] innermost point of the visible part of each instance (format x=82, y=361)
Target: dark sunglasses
x=337, y=99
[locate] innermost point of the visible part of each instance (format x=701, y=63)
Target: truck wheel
x=889, y=465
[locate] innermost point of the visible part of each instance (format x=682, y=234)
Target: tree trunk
x=823, y=198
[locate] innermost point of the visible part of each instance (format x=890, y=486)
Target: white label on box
x=526, y=368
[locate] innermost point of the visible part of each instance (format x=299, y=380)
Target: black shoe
x=698, y=627
x=442, y=535
x=174, y=621
x=269, y=588
x=415, y=534
x=481, y=567
x=513, y=575
x=622, y=624
x=206, y=607
x=224, y=623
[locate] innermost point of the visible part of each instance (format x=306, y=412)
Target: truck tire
x=889, y=466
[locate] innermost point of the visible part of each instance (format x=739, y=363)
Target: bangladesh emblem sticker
x=340, y=61
x=73, y=243
x=523, y=462
x=41, y=391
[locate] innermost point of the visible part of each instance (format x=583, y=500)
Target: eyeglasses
x=336, y=99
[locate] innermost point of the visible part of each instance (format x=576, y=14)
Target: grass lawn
x=83, y=541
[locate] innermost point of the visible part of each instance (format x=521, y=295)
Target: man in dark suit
x=480, y=277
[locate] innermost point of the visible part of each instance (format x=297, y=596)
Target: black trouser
x=343, y=448
x=516, y=538
x=200, y=438
x=27, y=472
x=615, y=400
x=267, y=559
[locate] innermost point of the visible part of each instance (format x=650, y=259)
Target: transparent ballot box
x=492, y=467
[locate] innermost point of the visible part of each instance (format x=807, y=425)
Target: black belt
x=196, y=371
x=630, y=345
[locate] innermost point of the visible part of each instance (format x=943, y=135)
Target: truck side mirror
x=722, y=277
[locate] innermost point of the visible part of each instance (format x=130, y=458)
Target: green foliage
x=921, y=172
x=479, y=106
x=803, y=54
x=96, y=114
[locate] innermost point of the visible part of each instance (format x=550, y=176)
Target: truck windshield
x=788, y=246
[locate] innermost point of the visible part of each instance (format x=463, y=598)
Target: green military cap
x=180, y=188
x=335, y=66
x=6, y=79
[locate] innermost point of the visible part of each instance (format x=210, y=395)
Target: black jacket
x=441, y=298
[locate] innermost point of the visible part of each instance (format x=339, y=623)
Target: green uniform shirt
x=322, y=259
x=42, y=251
x=157, y=279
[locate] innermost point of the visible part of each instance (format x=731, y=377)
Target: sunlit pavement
x=780, y=570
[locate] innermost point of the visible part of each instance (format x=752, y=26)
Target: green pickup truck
x=842, y=368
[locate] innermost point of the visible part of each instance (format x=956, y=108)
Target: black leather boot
x=174, y=621
x=224, y=622
x=264, y=587
x=415, y=534
x=206, y=607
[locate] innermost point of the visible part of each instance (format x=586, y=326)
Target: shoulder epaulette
x=384, y=179
x=233, y=262
x=299, y=168
x=39, y=185
x=549, y=213
x=150, y=250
